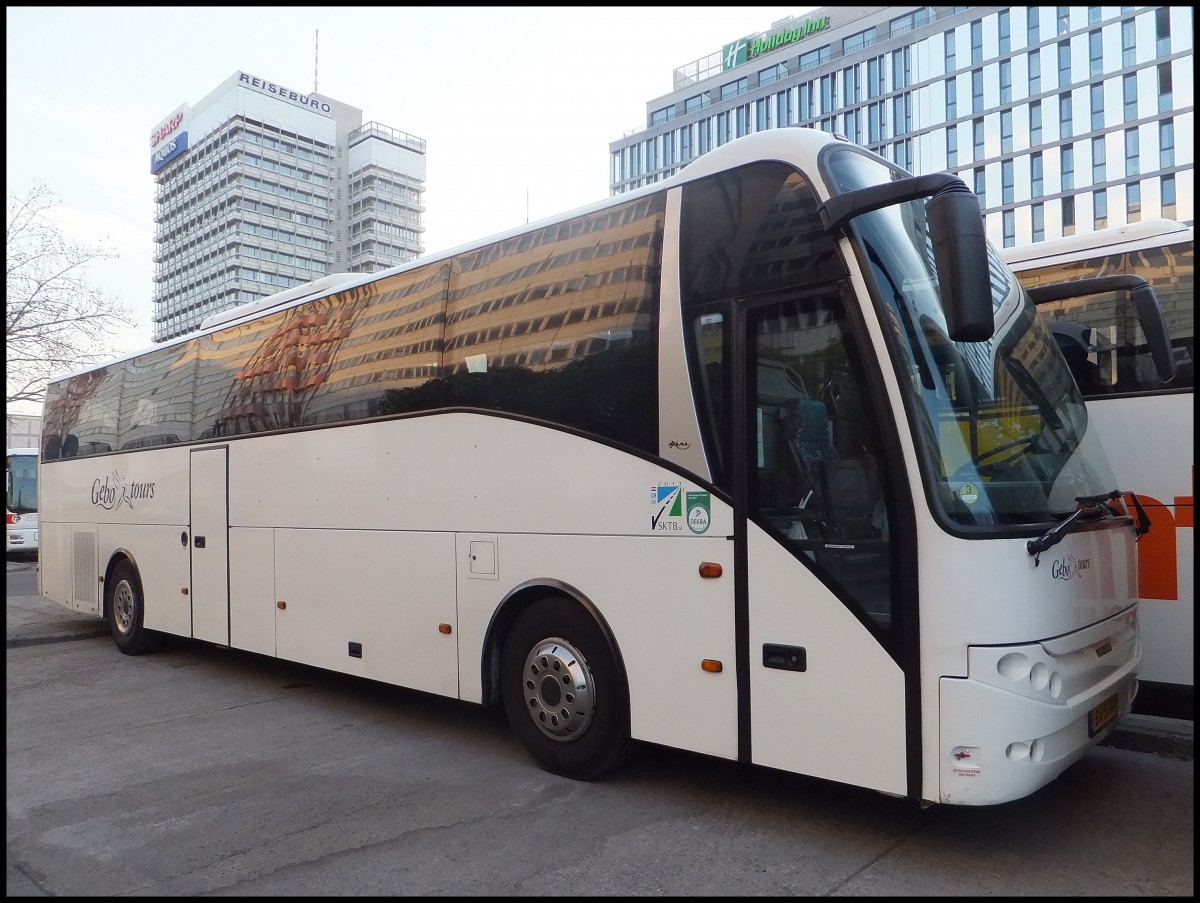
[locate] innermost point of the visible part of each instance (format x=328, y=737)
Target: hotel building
x=260, y=187
x=1061, y=118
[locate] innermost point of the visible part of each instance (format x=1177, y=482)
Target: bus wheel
x=126, y=610
x=565, y=697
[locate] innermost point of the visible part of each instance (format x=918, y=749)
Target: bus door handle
x=785, y=658
x=199, y=541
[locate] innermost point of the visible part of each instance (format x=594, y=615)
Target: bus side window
x=1072, y=341
x=1185, y=353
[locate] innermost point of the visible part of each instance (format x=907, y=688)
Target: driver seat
x=807, y=425
x=841, y=487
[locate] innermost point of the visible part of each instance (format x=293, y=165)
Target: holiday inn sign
x=746, y=49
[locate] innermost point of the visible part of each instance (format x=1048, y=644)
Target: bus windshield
x=21, y=483
x=1000, y=425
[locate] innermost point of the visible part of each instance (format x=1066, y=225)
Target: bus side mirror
x=960, y=253
x=1145, y=306
x=960, y=248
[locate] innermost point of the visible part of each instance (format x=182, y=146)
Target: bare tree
x=55, y=320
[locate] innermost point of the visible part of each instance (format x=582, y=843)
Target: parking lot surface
x=205, y=771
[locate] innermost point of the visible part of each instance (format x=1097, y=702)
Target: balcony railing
x=388, y=134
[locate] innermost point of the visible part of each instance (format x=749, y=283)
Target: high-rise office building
x=1061, y=118
x=260, y=187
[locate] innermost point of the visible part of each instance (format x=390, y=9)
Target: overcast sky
x=517, y=104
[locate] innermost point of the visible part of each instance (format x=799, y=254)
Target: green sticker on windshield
x=968, y=494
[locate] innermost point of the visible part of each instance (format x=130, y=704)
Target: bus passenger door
x=209, y=545
x=826, y=682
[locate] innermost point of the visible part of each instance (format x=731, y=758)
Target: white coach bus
x=772, y=461
x=1146, y=425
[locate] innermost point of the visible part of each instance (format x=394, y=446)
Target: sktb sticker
x=671, y=509
x=666, y=508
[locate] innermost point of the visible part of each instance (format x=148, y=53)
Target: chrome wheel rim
x=557, y=688
x=123, y=606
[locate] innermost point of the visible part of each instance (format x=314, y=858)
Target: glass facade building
x=259, y=187
x=1061, y=118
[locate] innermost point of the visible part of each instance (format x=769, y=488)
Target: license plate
x=1102, y=715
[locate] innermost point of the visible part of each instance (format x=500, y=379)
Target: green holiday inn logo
x=734, y=54
x=745, y=49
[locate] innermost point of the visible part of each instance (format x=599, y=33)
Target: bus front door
x=210, y=545
x=826, y=687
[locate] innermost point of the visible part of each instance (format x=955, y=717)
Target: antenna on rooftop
x=316, y=47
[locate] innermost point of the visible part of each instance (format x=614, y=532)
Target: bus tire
x=126, y=607
x=564, y=694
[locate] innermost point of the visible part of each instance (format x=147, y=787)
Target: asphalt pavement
x=208, y=771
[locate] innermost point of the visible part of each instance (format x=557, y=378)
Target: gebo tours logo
x=113, y=491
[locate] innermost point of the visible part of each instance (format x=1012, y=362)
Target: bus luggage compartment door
x=210, y=545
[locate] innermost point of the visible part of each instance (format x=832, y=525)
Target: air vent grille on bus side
x=85, y=569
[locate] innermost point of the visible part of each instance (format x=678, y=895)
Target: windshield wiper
x=1091, y=507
